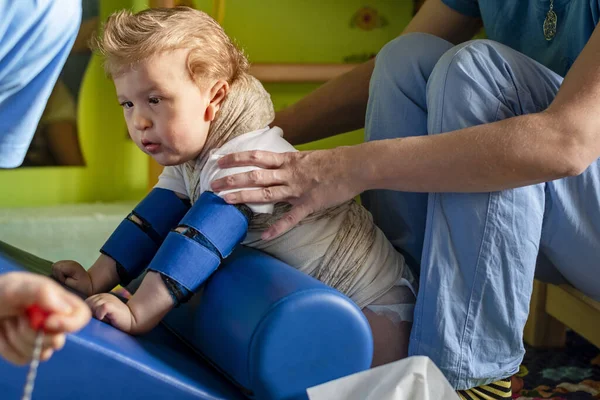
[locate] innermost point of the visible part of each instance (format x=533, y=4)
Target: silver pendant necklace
x=550, y=22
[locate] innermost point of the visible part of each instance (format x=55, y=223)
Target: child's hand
x=19, y=290
x=72, y=274
x=108, y=308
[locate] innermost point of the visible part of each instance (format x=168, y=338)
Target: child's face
x=167, y=114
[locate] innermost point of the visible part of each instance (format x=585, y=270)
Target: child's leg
x=390, y=339
x=390, y=318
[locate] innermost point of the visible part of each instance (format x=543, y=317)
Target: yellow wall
x=308, y=31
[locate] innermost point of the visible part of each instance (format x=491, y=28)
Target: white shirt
x=269, y=139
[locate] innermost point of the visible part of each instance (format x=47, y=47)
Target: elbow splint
x=205, y=236
x=133, y=245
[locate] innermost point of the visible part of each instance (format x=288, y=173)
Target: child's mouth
x=150, y=147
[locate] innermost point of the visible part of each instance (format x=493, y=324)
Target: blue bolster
x=222, y=224
x=132, y=245
x=212, y=229
x=273, y=330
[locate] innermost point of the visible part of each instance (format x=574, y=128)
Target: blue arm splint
x=211, y=230
x=133, y=245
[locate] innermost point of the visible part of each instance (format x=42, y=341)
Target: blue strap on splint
x=132, y=245
x=160, y=211
x=222, y=224
x=212, y=229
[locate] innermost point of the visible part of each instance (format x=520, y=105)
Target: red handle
x=37, y=316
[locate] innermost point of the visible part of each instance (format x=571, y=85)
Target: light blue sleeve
x=465, y=7
x=36, y=37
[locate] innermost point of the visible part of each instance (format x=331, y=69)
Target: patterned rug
x=572, y=373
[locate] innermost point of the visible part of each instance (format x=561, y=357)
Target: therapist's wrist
x=361, y=165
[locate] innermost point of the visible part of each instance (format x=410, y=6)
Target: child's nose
x=141, y=123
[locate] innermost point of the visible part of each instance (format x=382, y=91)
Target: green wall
x=310, y=31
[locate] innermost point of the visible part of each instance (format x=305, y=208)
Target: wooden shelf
x=298, y=73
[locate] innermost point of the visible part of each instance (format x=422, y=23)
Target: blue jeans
x=476, y=253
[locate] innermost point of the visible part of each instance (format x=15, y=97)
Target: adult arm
x=340, y=104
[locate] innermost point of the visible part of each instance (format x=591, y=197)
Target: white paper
x=409, y=379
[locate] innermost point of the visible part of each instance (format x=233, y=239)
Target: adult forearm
x=336, y=107
x=340, y=105
x=507, y=154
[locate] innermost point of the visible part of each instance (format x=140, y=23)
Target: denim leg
x=480, y=249
x=571, y=231
x=397, y=108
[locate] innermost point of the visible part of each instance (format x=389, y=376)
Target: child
x=188, y=100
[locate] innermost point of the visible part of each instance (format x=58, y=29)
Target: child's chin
x=171, y=160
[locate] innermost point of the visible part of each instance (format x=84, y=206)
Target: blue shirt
x=35, y=39
x=519, y=25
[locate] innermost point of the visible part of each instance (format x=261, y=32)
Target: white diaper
x=398, y=303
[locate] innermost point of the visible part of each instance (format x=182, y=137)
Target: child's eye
x=153, y=100
x=126, y=104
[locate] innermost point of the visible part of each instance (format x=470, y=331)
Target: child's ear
x=217, y=94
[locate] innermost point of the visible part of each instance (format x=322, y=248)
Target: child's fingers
x=61, y=270
x=73, y=275
x=66, y=269
x=98, y=306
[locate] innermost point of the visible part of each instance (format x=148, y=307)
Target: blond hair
x=128, y=39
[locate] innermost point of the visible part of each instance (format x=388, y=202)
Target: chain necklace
x=550, y=22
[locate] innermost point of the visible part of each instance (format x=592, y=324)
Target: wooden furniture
x=554, y=308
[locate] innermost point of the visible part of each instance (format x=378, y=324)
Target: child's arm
x=146, y=308
x=130, y=248
x=188, y=256
x=101, y=277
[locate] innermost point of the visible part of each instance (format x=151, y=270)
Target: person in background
x=35, y=39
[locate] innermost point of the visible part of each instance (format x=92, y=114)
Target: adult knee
x=400, y=59
x=465, y=86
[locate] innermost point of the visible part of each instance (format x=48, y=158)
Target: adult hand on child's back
x=309, y=180
x=72, y=274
